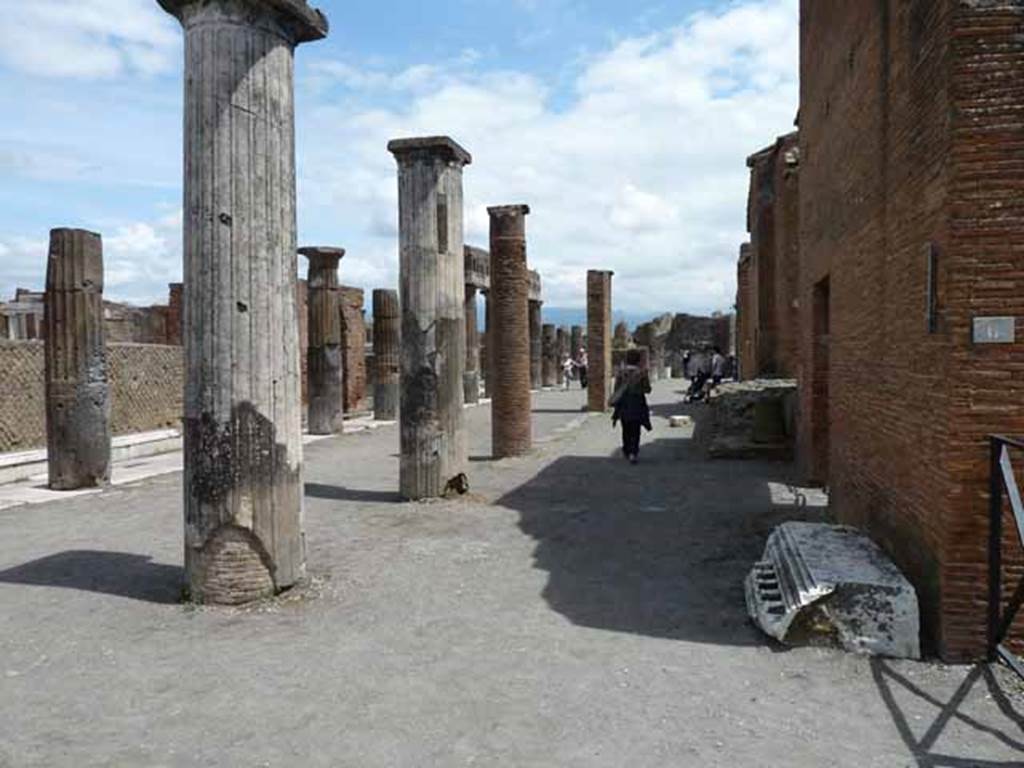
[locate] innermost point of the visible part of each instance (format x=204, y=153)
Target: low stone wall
x=751, y=420
x=146, y=391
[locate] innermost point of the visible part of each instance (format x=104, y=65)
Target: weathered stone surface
x=243, y=448
x=324, y=366
x=824, y=584
x=353, y=348
x=536, y=345
x=432, y=273
x=599, y=339
x=511, y=430
x=562, y=352
x=77, y=384
x=387, y=325
x=549, y=355
x=752, y=420
x=576, y=341
x=471, y=378
x=175, y=313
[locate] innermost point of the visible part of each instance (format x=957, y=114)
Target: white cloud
x=87, y=38
x=643, y=172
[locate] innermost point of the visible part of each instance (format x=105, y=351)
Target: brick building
x=770, y=263
x=911, y=137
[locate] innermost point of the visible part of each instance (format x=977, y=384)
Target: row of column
x=243, y=490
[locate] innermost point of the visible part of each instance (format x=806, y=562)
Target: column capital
x=297, y=19
x=442, y=147
x=320, y=255
x=509, y=210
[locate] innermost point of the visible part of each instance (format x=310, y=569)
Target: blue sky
x=625, y=126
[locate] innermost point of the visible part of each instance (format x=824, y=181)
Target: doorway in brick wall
x=820, y=412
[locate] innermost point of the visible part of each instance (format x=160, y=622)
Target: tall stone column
x=75, y=355
x=536, y=345
x=471, y=378
x=432, y=270
x=243, y=442
x=599, y=339
x=575, y=341
x=549, y=351
x=511, y=430
x=387, y=325
x=323, y=358
x=353, y=348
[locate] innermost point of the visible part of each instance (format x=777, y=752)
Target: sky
x=624, y=126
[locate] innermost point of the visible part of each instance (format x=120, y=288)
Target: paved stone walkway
x=573, y=611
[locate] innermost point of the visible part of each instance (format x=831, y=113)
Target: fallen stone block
x=821, y=584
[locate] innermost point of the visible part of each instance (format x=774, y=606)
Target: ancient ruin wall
x=146, y=391
x=908, y=113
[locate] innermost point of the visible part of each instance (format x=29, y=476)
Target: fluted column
x=549, y=351
x=511, y=432
x=599, y=339
x=432, y=271
x=387, y=325
x=562, y=352
x=324, y=367
x=243, y=447
x=77, y=387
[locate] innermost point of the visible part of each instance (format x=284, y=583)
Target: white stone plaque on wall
x=995, y=330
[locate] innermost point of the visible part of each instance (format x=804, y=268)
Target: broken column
x=599, y=338
x=353, y=348
x=433, y=359
x=387, y=324
x=478, y=269
x=323, y=357
x=175, y=313
x=549, y=351
x=243, y=443
x=536, y=343
x=511, y=432
x=77, y=387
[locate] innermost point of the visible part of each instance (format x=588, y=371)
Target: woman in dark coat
x=632, y=385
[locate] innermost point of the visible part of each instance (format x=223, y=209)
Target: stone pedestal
x=243, y=443
x=77, y=386
x=549, y=355
x=387, y=324
x=511, y=431
x=433, y=360
x=536, y=345
x=323, y=357
x=599, y=339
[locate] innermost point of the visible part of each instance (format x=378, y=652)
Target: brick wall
x=773, y=220
x=147, y=384
x=909, y=120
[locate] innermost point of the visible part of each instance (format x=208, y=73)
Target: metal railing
x=1003, y=485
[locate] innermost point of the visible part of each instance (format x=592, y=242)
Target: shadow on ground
x=110, y=573
x=339, y=493
x=923, y=747
x=657, y=549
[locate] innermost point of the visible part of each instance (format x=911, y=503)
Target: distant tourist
x=718, y=367
x=632, y=385
x=581, y=367
x=686, y=364
x=568, y=370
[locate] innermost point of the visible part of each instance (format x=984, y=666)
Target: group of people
x=575, y=368
x=705, y=373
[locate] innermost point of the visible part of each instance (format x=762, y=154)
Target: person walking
x=581, y=366
x=717, y=367
x=632, y=385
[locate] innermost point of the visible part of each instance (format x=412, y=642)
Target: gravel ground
x=573, y=610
